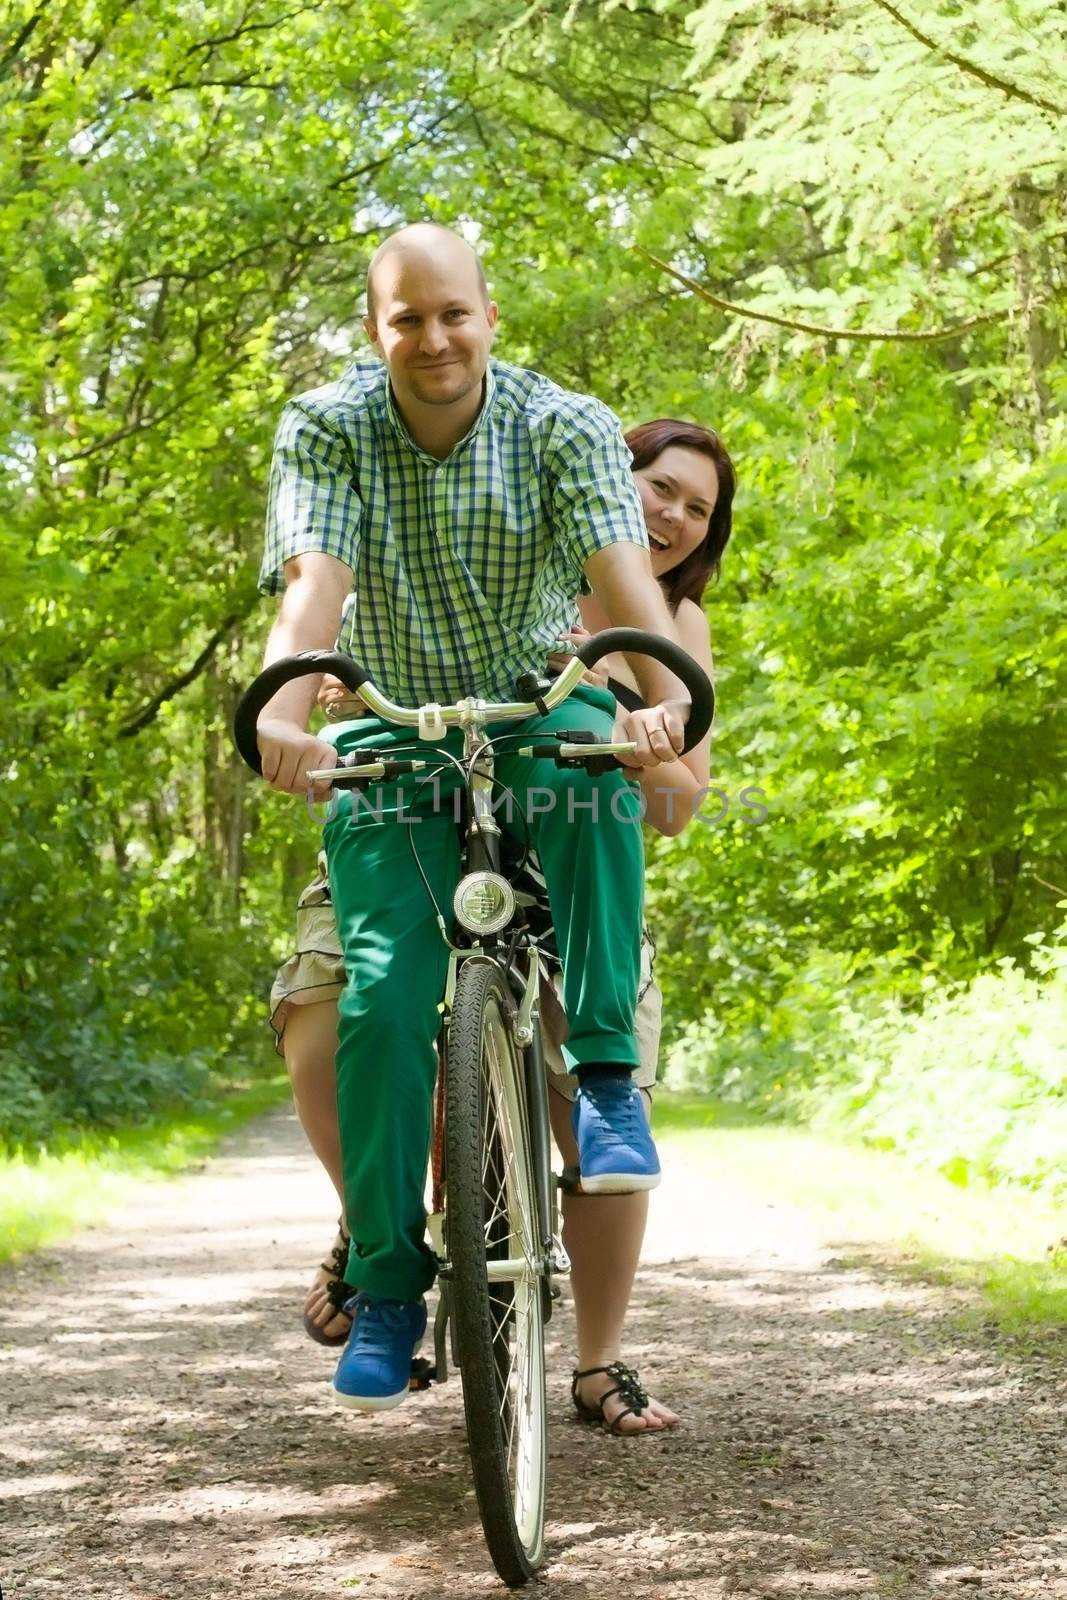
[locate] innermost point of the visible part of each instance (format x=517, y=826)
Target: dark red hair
x=689, y=579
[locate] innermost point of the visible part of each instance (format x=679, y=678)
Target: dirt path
x=173, y=1438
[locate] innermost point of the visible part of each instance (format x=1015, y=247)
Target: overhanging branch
x=991, y=80
x=882, y=335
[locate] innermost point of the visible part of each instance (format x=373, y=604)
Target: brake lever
x=595, y=765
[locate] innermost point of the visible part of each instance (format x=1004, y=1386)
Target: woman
x=686, y=483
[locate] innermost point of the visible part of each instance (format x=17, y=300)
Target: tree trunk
x=1034, y=273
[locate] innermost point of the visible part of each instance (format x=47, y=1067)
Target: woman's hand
x=597, y=676
x=658, y=732
x=337, y=701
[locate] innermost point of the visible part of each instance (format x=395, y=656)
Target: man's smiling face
x=431, y=323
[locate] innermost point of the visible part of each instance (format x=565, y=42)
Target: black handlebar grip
x=633, y=641
x=307, y=664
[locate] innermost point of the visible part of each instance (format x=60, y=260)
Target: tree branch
x=1053, y=886
x=149, y=712
x=147, y=96
x=353, y=173
x=186, y=398
x=21, y=37
x=882, y=335
x=973, y=70
x=244, y=27
x=262, y=246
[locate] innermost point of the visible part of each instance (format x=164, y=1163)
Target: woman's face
x=678, y=492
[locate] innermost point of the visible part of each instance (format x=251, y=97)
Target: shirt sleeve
x=312, y=504
x=594, y=500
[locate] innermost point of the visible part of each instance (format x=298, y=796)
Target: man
x=464, y=499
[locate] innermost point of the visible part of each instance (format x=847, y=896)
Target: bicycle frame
x=483, y=853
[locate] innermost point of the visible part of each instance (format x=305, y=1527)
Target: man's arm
x=622, y=580
x=312, y=538
x=308, y=619
x=674, y=790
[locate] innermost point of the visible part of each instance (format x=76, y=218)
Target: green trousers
x=588, y=836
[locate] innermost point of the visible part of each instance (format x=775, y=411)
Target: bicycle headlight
x=484, y=902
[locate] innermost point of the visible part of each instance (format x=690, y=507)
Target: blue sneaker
x=375, y=1365
x=616, y=1153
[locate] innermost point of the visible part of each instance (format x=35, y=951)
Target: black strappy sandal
x=628, y=1384
x=337, y=1290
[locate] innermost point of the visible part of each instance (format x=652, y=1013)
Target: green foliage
x=45, y=1194
x=880, y=1212
x=971, y=1081
x=191, y=209
x=187, y=225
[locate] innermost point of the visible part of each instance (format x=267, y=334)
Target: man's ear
x=370, y=328
x=492, y=312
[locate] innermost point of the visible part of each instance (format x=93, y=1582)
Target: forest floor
x=848, y=1431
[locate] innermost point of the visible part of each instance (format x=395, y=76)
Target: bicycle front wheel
x=497, y=1270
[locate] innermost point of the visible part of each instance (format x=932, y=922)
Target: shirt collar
x=399, y=426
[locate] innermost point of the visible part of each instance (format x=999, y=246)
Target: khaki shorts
x=315, y=971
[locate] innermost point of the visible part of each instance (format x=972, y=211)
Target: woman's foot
x=326, y=1295
x=613, y=1395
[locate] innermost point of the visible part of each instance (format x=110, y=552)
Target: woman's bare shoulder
x=692, y=621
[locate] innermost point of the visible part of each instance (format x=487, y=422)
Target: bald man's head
x=431, y=242
x=430, y=318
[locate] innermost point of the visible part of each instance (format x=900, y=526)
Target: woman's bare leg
x=310, y=1045
x=603, y=1234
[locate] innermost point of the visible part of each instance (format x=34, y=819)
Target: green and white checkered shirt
x=466, y=569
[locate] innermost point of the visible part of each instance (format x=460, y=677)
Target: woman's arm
x=672, y=790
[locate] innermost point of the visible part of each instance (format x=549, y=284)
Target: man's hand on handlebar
x=658, y=733
x=289, y=754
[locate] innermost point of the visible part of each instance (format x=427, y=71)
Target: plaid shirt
x=466, y=569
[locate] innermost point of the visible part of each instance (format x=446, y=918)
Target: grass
x=1006, y=1244
x=41, y=1193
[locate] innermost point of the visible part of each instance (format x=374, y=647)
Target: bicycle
x=493, y=1223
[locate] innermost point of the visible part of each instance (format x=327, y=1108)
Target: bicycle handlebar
x=634, y=641
x=358, y=681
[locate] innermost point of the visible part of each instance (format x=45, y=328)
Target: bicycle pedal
x=423, y=1373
